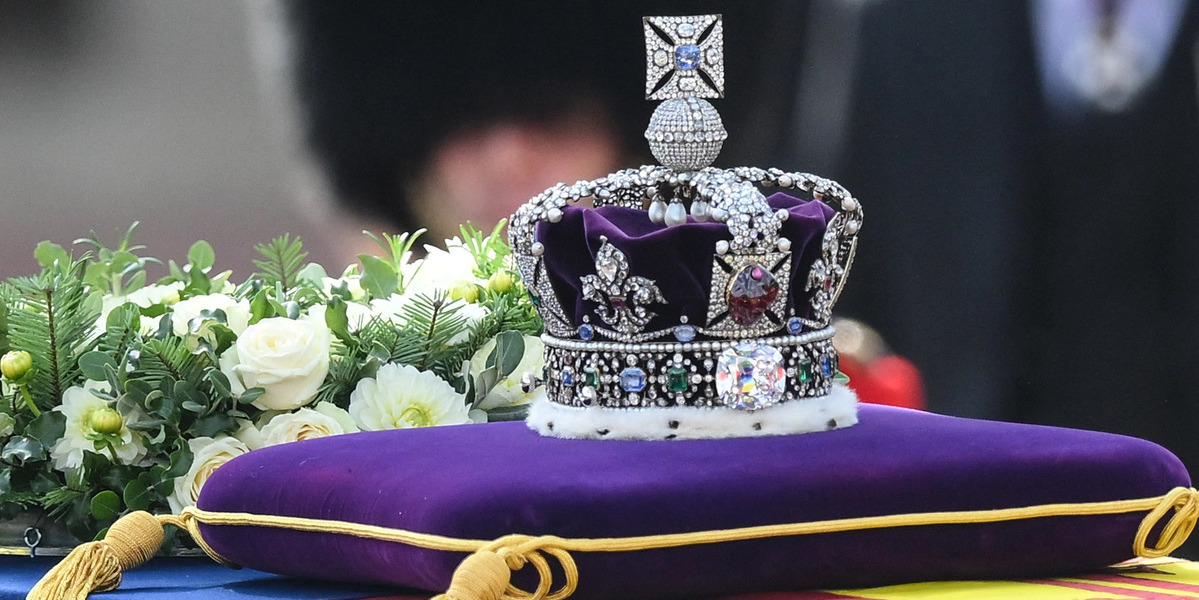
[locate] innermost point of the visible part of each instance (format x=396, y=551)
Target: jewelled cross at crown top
x=684, y=56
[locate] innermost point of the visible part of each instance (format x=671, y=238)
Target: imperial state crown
x=685, y=303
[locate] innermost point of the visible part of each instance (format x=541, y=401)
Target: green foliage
x=168, y=388
x=382, y=277
x=491, y=252
x=282, y=261
x=117, y=271
x=51, y=317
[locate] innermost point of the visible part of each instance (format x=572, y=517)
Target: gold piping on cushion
x=484, y=575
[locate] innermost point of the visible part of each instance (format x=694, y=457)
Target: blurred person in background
x=1031, y=176
x=430, y=114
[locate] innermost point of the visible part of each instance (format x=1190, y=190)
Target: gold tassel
x=483, y=575
x=97, y=566
x=486, y=574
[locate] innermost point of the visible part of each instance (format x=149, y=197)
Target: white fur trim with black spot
x=836, y=410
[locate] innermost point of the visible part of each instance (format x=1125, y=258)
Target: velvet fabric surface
x=678, y=259
x=486, y=481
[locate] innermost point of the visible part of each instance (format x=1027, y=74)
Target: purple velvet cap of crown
x=486, y=481
x=678, y=259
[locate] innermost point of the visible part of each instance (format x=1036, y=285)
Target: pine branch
x=284, y=257
x=52, y=318
x=171, y=358
x=58, y=501
x=435, y=322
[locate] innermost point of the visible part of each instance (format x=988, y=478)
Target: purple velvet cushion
x=486, y=481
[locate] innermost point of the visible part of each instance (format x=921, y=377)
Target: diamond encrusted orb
x=685, y=134
x=750, y=376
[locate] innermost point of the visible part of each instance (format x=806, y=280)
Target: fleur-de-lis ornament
x=621, y=298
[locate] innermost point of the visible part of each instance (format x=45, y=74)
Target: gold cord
x=1185, y=504
x=485, y=574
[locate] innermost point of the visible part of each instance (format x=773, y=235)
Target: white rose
x=78, y=405
x=237, y=313
x=208, y=454
x=287, y=358
x=401, y=396
x=323, y=420
x=508, y=391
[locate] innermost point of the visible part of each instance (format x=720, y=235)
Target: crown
x=684, y=303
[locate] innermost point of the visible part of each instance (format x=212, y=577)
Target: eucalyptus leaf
x=213, y=425
x=47, y=428
x=250, y=395
x=190, y=406
x=176, y=271
x=292, y=309
x=146, y=425
x=5, y=480
x=92, y=364
x=48, y=253
x=106, y=506
x=187, y=392
x=201, y=256
x=181, y=461
x=485, y=381
x=114, y=382
x=260, y=307
x=138, y=391
x=337, y=321
x=21, y=449
x=312, y=274
x=137, y=282
x=136, y=495
x=198, y=282
x=124, y=317
x=220, y=383
x=379, y=277
x=509, y=349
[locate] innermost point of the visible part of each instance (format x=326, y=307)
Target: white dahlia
x=402, y=396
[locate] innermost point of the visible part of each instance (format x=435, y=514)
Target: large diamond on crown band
x=750, y=376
